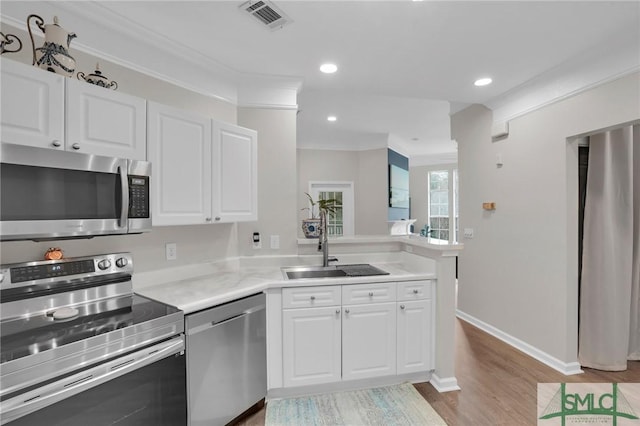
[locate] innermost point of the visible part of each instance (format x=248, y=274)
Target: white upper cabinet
x=105, y=122
x=235, y=173
x=204, y=171
x=32, y=106
x=47, y=110
x=179, y=148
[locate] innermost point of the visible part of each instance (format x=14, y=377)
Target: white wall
x=198, y=243
x=277, y=187
x=419, y=190
x=519, y=272
x=368, y=172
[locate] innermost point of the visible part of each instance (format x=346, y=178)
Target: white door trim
x=348, y=204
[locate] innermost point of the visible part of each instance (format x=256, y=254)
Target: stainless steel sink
x=334, y=271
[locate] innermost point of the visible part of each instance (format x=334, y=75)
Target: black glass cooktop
x=20, y=339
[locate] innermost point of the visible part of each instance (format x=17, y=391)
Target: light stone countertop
x=196, y=287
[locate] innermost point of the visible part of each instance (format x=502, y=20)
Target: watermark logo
x=616, y=404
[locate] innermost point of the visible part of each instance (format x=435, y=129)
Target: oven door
x=147, y=387
x=48, y=194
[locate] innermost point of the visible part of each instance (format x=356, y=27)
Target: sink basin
x=356, y=270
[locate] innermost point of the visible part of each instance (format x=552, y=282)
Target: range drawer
x=309, y=297
x=414, y=290
x=368, y=293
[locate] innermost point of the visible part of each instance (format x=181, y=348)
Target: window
x=335, y=223
x=342, y=222
x=443, y=204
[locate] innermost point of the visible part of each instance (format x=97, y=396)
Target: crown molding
x=136, y=47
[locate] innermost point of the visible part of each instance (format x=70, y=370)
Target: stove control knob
x=104, y=264
x=122, y=262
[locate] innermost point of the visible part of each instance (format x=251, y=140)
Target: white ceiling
x=403, y=65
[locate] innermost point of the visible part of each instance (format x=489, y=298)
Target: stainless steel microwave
x=48, y=194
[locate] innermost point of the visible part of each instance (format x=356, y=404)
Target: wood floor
x=498, y=382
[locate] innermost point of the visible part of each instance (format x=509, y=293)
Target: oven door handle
x=51, y=393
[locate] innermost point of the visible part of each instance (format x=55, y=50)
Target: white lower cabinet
x=368, y=340
x=360, y=331
x=414, y=339
x=311, y=346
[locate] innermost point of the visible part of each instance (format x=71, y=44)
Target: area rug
x=388, y=406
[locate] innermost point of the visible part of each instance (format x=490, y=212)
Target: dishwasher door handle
x=207, y=326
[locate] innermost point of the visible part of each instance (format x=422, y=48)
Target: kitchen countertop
x=196, y=287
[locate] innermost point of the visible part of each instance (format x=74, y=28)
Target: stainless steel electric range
x=78, y=347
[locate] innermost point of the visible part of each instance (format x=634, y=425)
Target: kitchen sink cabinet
x=341, y=333
x=368, y=340
x=311, y=345
x=204, y=171
x=47, y=110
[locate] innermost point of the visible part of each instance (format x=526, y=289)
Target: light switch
x=468, y=233
x=275, y=242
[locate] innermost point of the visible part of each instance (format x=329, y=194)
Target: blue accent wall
x=402, y=162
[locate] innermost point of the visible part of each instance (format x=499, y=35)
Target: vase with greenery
x=311, y=226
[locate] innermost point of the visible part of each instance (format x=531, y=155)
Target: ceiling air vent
x=267, y=13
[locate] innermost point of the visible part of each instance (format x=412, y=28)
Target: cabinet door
x=235, y=179
x=105, y=122
x=368, y=340
x=415, y=336
x=180, y=151
x=311, y=346
x=32, y=106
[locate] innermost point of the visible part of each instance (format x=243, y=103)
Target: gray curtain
x=609, y=332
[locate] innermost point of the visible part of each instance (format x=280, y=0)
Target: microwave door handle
x=124, y=212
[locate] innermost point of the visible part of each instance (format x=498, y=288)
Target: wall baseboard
x=445, y=384
x=566, y=368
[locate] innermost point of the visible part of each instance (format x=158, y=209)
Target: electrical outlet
x=468, y=233
x=275, y=242
x=408, y=248
x=171, y=251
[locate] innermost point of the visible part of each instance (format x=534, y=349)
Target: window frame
x=348, y=203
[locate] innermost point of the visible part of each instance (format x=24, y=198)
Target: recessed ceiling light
x=483, y=81
x=332, y=118
x=328, y=68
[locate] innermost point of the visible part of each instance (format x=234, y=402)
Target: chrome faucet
x=323, y=240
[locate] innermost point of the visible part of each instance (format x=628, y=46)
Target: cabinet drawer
x=307, y=297
x=414, y=290
x=368, y=293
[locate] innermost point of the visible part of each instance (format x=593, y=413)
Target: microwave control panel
x=138, y=197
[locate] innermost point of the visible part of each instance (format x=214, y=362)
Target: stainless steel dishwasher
x=226, y=360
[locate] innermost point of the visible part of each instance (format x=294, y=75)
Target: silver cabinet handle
x=207, y=219
x=217, y=218
x=401, y=306
x=56, y=143
x=313, y=298
x=415, y=291
x=370, y=294
x=76, y=146
x=346, y=311
x=337, y=311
